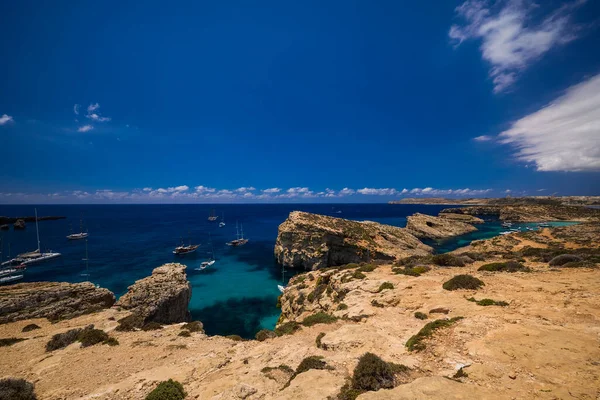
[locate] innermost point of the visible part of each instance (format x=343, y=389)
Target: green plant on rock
x=130, y=323
x=341, y=307
x=167, y=390
x=30, y=327
x=463, y=282
x=194, y=326
x=151, y=326
x=320, y=336
x=447, y=260
x=16, y=389
x=420, y=315
x=264, y=334
x=488, y=302
x=184, y=333
x=563, y=259
x=319, y=318
x=416, y=270
x=416, y=342
x=385, y=286
x=508, y=266
x=358, y=275
x=367, y=268
x=372, y=373
x=61, y=340
x=90, y=337
x=10, y=341
x=111, y=341
x=287, y=328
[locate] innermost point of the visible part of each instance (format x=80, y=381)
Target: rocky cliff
x=312, y=241
x=162, y=297
x=531, y=213
x=430, y=227
x=53, y=300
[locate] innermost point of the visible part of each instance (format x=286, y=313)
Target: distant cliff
x=427, y=226
x=12, y=220
x=531, y=213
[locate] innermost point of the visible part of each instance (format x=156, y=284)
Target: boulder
x=430, y=227
x=19, y=225
x=162, y=297
x=52, y=300
x=312, y=241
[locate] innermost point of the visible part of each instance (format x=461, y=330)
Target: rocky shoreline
x=509, y=317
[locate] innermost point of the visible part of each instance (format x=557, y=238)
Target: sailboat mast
x=37, y=231
x=87, y=264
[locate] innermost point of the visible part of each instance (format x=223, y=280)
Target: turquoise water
x=237, y=295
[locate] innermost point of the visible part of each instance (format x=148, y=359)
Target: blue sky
x=297, y=100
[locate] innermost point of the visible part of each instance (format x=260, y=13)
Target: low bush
x=319, y=318
x=367, y=268
x=318, y=340
x=488, y=302
x=316, y=294
x=463, y=282
x=16, y=389
x=416, y=342
x=416, y=270
x=420, y=315
x=578, y=264
x=447, y=260
x=236, y=338
x=90, y=337
x=111, y=341
x=282, y=367
x=10, y=341
x=151, y=326
x=564, y=259
x=184, y=333
x=474, y=255
x=30, y=327
x=167, y=390
x=194, y=326
x=130, y=323
x=358, y=275
x=61, y=340
x=287, y=329
x=508, y=266
x=439, y=310
x=342, y=306
x=372, y=373
x=385, y=286
x=264, y=334
x=311, y=362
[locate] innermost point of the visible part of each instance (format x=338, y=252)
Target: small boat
x=240, y=241
x=11, y=278
x=181, y=250
x=80, y=235
x=281, y=288
x=222, y=223
x=206, y=264
x=211, y=261
x=213, y=217
x=529, y=228
x=506, y=233
x=10, y=271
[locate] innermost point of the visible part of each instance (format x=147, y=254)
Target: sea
x=235, y=296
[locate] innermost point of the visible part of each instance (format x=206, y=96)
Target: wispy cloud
x=5, y=119
x=378, y=192
x=510, y=40
x=94, y=114
x=484, y=138
x=272, y=190
x=76, y=109
x=85, y=128
x=564, y=135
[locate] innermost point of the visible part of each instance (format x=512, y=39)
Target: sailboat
x=80, y=235
x=213, y=217
x=222, y=223
x=281, y=287
x=211, y=261
x=35, y=256
x=183, y=249
x=239, y=241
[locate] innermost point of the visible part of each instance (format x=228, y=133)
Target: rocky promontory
x=530, y=213
x=312, y=241
x=52, y=300
x=11, y=220
x=430, y=227
x=162, y=297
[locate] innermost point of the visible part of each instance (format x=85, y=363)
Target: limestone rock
x=469, y=219
x=430, y=227
x=19, y=224
x=313, y=241
x=52, y=300
x=162, y=297
x=530, y=213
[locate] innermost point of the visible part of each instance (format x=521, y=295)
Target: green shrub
x=564, y=259
x=474, y=255
x=367, y=268
x=342, y=306
x=447, y=260
x=578, y=264
x=415, y=343
x=420, y=315
x=311, y=362
x=281, y=367
x=300, y=299
x=194, y=326
x=90, y=337
x=16, y=389
x=358, y=275
x=264, y=334
x=463, y=282
x=278, y=304
x=184, y=333
x=10, y=341
x=61, y=340
x=319, y=318
x=385, y=286
x=316, y=294
x=372, y=373
x=416, y=270
x=111, y=341
x=130, y=323
x=151, y=326
x=287, y=329
x=348, y=393
x=488, y=302
x=236, y=338
x=508, y=266
x=167, y=390
x=318, y=340
x=30, y=327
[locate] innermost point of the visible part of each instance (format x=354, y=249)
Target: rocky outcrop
x=531, y=213
x=430, y=227
x=469, y=219
x=53, y=300
x=19, y=225
x=162, y=297
x=11, y=220
x=312, y=241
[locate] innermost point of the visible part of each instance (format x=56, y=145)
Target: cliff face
x=162, y=297
x=427, y=226
x=531, y=213
x=53, y=300
x=312, y=241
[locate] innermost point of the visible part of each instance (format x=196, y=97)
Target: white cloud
x=272, y=190
x=147, y=189
x=5, y=119
x=76, y=109
x=378, y=192
x=203, y=189
x=93, y=107
x=94, y=115
x=346, y=192
x=483, y=138
x=245, y=189
x=429, y=191
x=510, y=40
x=564, y=135
x=85, y=128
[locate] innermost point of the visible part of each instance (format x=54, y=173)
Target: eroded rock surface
x=430, y=227
x=52, y=300
x=162, y=297
x=312, y=241
x=531, y=213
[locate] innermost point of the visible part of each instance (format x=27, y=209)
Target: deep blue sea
x=237, y=295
